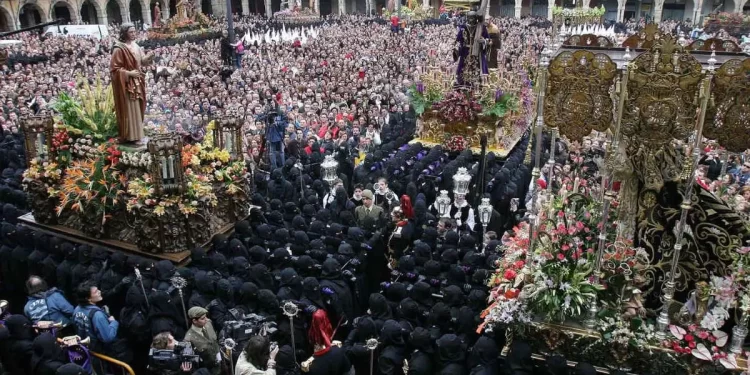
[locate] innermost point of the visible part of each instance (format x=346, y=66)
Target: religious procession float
x=187, y=22
x=411, y=11
x=297, y=15
x=734, y=24
x=482, y=99
x=625, y=261
x=167, y=197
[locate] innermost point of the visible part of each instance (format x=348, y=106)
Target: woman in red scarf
x=328, y=358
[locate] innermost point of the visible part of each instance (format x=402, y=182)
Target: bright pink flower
x=560, y=256
x=703, y=335
x=565, y=247
x=519, y=264
x=689, y=337
x=509, y=275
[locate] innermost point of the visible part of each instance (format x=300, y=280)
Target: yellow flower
x=159, y=210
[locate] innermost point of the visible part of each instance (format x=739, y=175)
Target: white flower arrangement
x=136, y=159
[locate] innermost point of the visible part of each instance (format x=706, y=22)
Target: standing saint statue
x=129, y=84
x=157, y=15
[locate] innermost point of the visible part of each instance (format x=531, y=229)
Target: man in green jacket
x=203, y=338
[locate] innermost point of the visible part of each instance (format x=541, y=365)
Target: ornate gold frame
x=578, y=93
x=232, y=124
x=32, y=127
x=728, y=120
x=588, y=40
x=165, y=146
x=645, y=39
x=661, y=106
x=714, y=44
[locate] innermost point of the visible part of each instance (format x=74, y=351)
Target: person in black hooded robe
x=134, y=325
x=454, y=298
x=47, y=356
x=50, y=263
x=262, y=277
x=65, y=268
x=285, y=363
x=199, y=260
x=204, y=291
x=314, y=299
x=483, y=357
x=6, y=358
x=38, y=254
x=421, y=293
x=440, y=320
x=421, y=358
x=218, y=309
x=379, y=310
x=290, y=285
x=391, y=359
x=80, y=271
x=341, y=203
x=331, y=280
x=236, y=249
x=19, y=256
x=466, y=325
x=519, y=361
x=279, y=188
x=114, y=283
x=280, y=260
x=451, y=355
x=355, y=344
x=20, y=343
x=268, y=305
x=163, y=315
x=247, y=298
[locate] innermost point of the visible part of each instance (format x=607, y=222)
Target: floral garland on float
x=111, y=191
x=543, y=294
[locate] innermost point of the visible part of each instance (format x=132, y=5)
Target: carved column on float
x=519, y=5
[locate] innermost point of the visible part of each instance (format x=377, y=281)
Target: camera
x=172, y=359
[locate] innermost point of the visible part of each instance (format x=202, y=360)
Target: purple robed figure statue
x=472, y=40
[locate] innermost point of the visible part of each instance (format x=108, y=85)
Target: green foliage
x=499, y=108
x=92, y=112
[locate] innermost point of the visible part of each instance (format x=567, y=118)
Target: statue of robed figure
x=129, y=84
x=471, y=42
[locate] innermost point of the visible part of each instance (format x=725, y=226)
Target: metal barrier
x=114, y=364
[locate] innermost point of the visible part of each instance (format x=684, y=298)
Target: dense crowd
x=367, y=258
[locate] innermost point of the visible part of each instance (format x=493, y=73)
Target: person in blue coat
x=91, y=321
x=45, y=304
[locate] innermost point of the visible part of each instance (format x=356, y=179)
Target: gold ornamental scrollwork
x=661, y=106
x=728, y=120
x=578, y=93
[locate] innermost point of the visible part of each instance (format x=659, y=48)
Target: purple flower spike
x=498, y=94
x=420, y=87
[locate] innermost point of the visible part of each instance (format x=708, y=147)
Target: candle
x=575, y=184
x=164, y=173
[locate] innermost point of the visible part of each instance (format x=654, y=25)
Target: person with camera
x=203, y=338
x=167, y=354
x=258, y=358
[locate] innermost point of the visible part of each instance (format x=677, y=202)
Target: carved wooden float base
x=178, y=258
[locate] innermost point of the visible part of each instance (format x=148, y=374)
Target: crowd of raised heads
x=369, y=258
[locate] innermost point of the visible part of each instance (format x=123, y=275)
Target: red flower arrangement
x=458, y=106
x=60, y=140
x=113, y=154
x=456, y=143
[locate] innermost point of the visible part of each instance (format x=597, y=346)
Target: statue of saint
x=129, y=84
x=157, y=15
